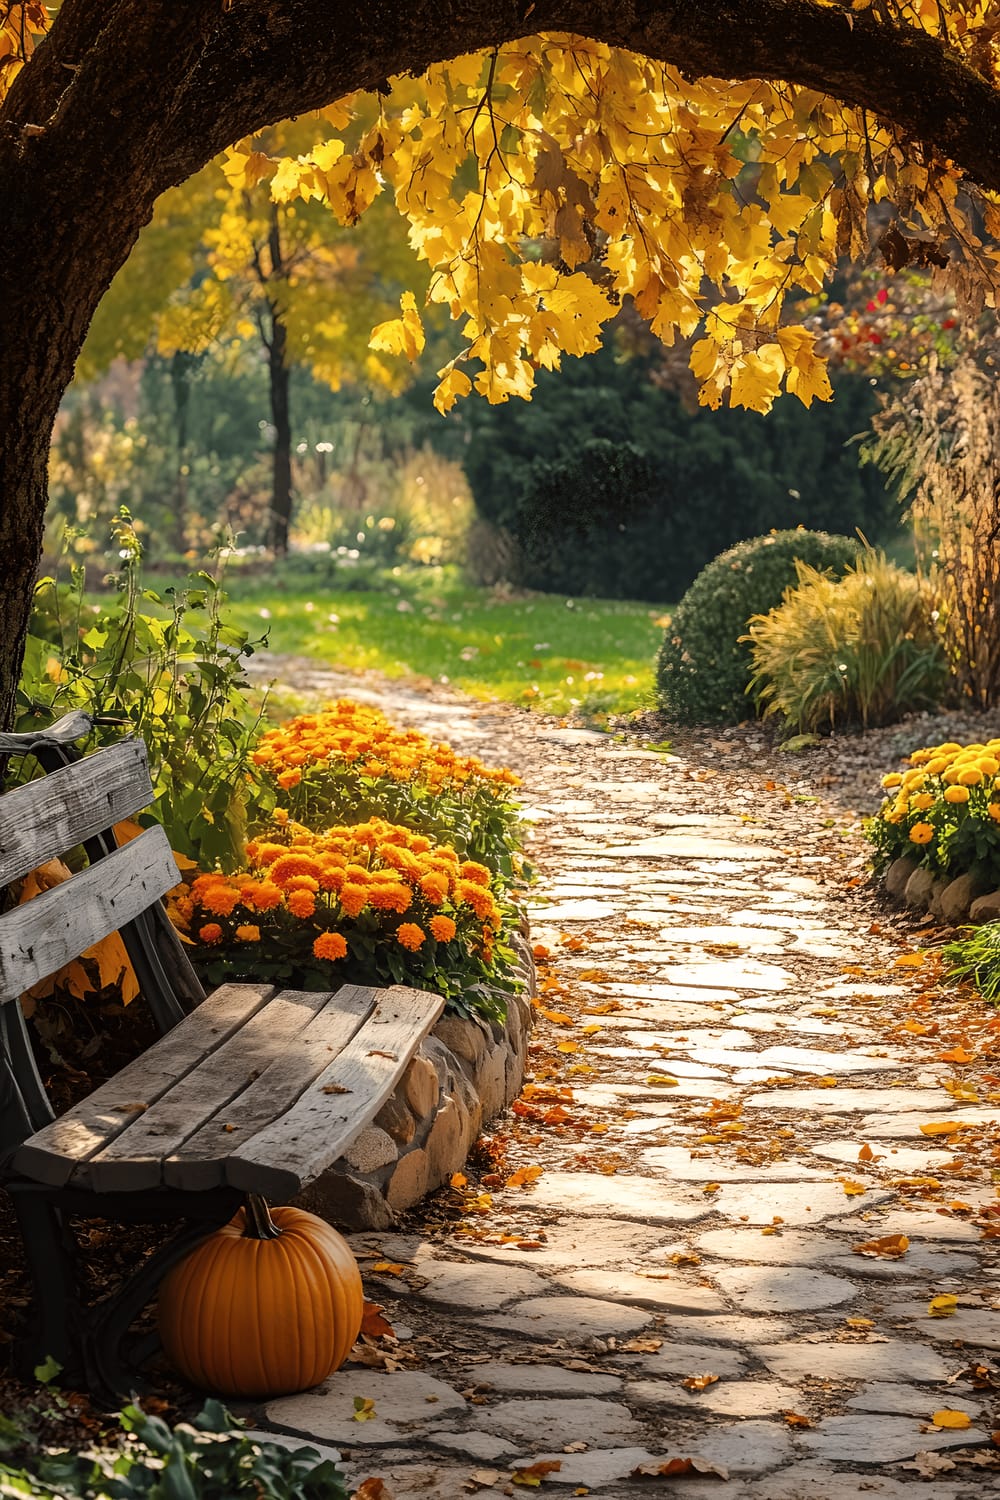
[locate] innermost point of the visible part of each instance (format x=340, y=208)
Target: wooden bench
x=248, y=1091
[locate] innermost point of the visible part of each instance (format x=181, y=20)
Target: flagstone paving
x=737, y=1108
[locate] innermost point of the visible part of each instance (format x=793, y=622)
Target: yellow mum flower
x=972, y=777
x=937, y=765
x=993, y=808
x=957, y=794
x=921, y=833
x=894, y=779
x=922, y=801
x=989, y=765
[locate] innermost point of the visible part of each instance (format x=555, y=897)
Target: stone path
x=738, y=1079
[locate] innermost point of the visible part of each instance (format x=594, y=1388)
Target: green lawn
x=592, y=655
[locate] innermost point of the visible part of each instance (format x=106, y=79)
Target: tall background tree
x=612, y=146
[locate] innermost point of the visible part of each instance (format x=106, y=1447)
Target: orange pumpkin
x=263, y=1307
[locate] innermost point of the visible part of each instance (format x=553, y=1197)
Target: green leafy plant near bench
x=208, y=1459
x=704, y=666
x=169, y=667
x=943, y=811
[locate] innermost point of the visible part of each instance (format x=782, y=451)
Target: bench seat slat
x=134, y=1159
x=38, y=938
x=200, y=1162
x=51, y=1155
x=47, y=817
x=292, y=1151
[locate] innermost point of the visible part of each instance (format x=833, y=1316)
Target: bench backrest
x=48, y=817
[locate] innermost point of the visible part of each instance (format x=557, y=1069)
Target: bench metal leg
x=93, y=1344
x=52, y=1329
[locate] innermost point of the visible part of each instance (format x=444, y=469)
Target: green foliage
x=863, y=649
x=209, y=1459
x=975, y=959
x=944, y=810
x=169, y=667
x=704, y=666
x=708, y=478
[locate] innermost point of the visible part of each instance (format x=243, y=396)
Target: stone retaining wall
x=961, y=899
x=462, y=1075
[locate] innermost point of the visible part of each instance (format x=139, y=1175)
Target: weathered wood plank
x=302, y=1143
x=51, y=1154
x=200, y=1162
x=135, y=1158
x=39, y=937
x=47, y=817
x=68, y=730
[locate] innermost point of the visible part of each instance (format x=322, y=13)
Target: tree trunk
x=126, y=98
x=280, y=379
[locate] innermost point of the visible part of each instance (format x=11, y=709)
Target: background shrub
x=862, y=649
x=704, y=666
x=649, y=490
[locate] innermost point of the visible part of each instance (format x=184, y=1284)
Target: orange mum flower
x=442, y=928
x=301, y=883
x=220, y=900
x=435, y=888
x=288, y=779
x=264, y=896
x=330, y=945
x=210, y=933
x=390, y=898
x=292, y=863
x=248, y=933
x=301, y=904
x=410, y=936
x=478, y=874
x=353, y=899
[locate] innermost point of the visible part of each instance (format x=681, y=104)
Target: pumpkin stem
x=258, y=1222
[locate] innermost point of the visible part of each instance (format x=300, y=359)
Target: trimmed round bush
x=704, y=668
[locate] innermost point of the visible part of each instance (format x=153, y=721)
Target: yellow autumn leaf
x=947, y=1417
x=945, y=1305
x=453, y=385
x=942, y=1127
x=403, y=335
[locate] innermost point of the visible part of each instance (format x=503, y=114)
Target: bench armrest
x=64, y=732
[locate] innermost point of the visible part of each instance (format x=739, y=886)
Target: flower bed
x=937, y=835
x=350, y=763
x=370, y=903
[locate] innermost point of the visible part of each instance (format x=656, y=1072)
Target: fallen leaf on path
x=523, y=1176
x=374, y=1324
x=668, y=1467
x=957, y=1055
x=943, y=1127
x=826, y=1083
x=458, y=1180
x=796, y=1419
x=851, y=1188
x=909, y=961
x=483, y=1479
x=533, y=1474
x=594, y=976
x=927, y=1465
x=641, y=1346
x=373, y=1489
x=891, y=1246
x=860, y=1323
x=959, y=1420
x=391, y=1267
x=699, y=1382
x=866, y=1153
x=662, y=1080
x=943, y=1306
x=711, y=1187
x=364, y=1409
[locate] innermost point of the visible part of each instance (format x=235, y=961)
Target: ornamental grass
x=349, y=762
x=944, y=810
x=369, y=903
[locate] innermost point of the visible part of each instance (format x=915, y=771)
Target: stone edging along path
x=753, y=1153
